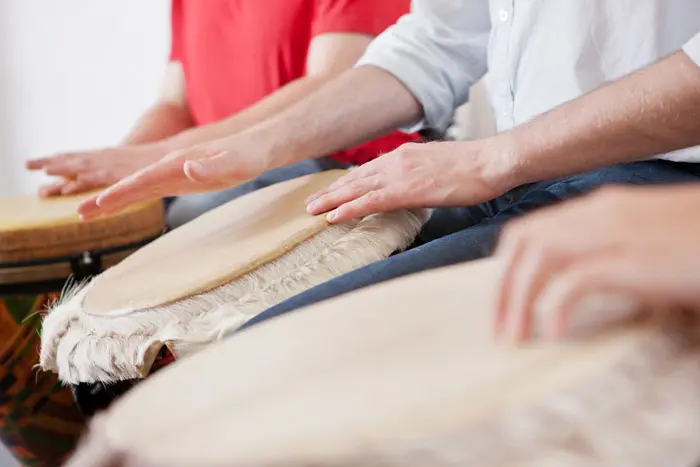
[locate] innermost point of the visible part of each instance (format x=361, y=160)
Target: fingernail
x=311, y=207
x=196, y=168
x=331, y=216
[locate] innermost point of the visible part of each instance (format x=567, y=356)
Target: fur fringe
x=83, y=348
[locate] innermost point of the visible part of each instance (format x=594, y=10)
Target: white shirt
x=539, y=53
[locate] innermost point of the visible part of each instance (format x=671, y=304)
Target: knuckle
x=375, y=198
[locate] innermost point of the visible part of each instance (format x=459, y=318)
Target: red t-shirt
x=236, y=52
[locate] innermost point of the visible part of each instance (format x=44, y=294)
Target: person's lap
x=456, y=235
x=183, y=209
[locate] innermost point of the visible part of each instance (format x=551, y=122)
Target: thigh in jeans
x=185, y=208
x=479, y=240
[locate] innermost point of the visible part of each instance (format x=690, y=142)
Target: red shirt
x=236, y=52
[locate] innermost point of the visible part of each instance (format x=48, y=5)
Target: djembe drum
x=43, y=243
x=202, y=281
x=407, y=374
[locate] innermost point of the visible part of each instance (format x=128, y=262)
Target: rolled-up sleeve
x=438, y=51
x=692, y=48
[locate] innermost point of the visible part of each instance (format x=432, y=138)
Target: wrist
x=502, y=168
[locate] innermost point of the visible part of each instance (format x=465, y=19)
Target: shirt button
x=504, y=15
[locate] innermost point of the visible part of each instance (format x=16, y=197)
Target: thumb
x=221, y=167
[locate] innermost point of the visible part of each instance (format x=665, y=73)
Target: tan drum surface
x=223, y=244
x=41, y=228
x=407, y=374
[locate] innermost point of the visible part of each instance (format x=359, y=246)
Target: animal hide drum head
x=213, y=249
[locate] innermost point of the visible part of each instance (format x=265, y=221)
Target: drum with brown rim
x=44, y=247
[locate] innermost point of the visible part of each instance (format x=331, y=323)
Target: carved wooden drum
x=43, y=243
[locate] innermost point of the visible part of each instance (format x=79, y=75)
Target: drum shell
x=39, y=421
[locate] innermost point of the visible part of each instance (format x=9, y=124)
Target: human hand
x=88, y=170
x=640, y=243
x=416, y=176
x=207, y=167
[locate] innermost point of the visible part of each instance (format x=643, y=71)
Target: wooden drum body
x=43, y=244
x=407, y=374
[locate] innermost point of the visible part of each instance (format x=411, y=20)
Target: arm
x=167, y=125
x=413, y=77
x=415, y=73
x=169, y=115
x=654, y=263
x=652, y=111
x=329, y=55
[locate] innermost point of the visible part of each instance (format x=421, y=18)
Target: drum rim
x=82, y=265
x=97, y=252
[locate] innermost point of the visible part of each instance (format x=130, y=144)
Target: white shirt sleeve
x=692, y=48
x=438, y=51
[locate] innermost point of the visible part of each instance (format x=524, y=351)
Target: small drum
x=203, y=280
x=42, y=244
x=407, y=374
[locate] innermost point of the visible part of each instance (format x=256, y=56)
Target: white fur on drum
x=85, y=348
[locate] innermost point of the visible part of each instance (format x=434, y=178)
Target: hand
x=89, y=170
x=208, y=167
x=415, y=176
x=636, y=242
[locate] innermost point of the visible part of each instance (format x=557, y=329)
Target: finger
x=73, y=187
x=53, y=189
x=602, y=274
x=63, y=170
x=222, y=167
x=84, y=183
x=38, y=164
x=89, y=209
x=372, y=202
x=509, y=251
x=536, y=267
x=151, y=182
x=353, y=175
x=344, y=194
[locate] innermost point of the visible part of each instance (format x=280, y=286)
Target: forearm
x=649, y=112
x=160, y=121
x=359, y=105
x=263, y=109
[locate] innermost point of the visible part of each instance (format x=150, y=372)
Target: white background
x=74, y=74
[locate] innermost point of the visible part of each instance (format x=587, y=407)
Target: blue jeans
x=456, y=235
x=183, y=209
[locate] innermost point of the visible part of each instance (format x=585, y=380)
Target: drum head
x=33, y=228
x=213, y=249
